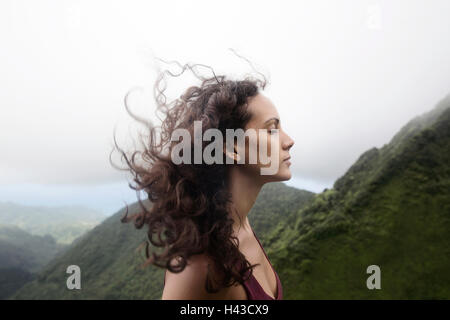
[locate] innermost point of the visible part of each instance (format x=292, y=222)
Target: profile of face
x=264, y=118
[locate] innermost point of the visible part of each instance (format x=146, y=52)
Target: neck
x=244, y=190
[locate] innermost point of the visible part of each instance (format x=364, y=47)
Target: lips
x=285, y=159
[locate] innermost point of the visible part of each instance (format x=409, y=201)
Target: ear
x=232, y=155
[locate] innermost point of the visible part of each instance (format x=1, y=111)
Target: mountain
x=390, y=209
x=19, y=248
x=21, y=256
x=63, y=223
x=109, y=262
x=30, y=237
x=276, y=202
x=11, y=279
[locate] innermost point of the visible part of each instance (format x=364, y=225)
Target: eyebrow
x=273, y=118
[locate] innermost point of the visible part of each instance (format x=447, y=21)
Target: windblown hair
x=191, y=203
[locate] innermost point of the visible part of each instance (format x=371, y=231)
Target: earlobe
x=232, y=155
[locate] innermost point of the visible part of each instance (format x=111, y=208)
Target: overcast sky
x=344, y=75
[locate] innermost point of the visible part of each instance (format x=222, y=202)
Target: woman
x=199, y=210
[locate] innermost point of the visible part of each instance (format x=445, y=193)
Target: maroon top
x=253, y=288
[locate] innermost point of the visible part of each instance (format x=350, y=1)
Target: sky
x=345, y=76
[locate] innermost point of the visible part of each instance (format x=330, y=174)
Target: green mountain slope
x=276, y=202
x=19, y=249
x=11, y=279
x=110, y=265
x=391, y=209
x=62, y=223
x=22, y=255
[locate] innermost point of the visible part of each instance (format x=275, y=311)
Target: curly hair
x=190, y=212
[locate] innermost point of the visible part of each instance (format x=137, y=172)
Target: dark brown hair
x=190, y=212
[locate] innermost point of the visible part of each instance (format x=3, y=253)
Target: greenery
x=63, y=223
x=12, y=279
x=22, y=255
x=18, y=248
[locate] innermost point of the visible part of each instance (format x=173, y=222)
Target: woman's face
x=265, y=116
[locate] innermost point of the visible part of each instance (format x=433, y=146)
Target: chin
x=286, y=177
x=283, y=175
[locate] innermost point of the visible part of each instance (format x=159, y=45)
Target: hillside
x=18, y=248
x=11, y=279
x=63, y=223
x=391, y=209
x=109, y=263
x=21, y=256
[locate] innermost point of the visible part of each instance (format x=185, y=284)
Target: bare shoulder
x=189, y=284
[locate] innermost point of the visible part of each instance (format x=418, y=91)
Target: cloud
x=345, y=76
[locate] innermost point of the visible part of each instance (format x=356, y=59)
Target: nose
x=288, y=143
